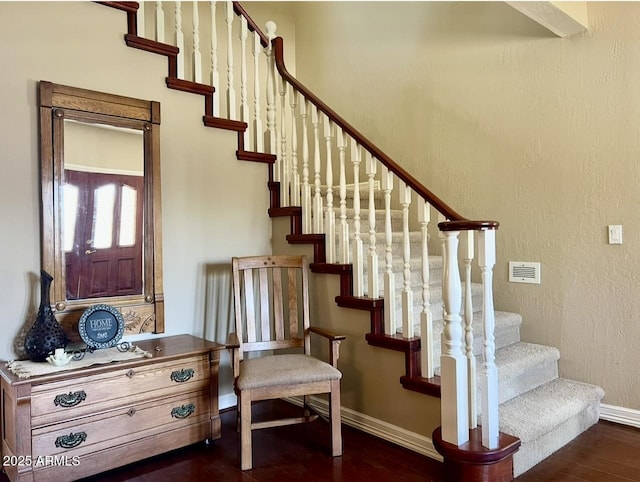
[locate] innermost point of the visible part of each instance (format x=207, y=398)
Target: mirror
x=101, y=238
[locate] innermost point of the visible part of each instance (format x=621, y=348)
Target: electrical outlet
x=615, y=234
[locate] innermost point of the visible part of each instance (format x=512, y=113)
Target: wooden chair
x=272, y=316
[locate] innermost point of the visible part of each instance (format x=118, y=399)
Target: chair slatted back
x=271, y=302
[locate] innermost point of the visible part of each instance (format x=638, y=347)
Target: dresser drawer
x=120, y=426
x=78, y=397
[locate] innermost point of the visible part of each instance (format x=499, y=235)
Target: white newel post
x=468, y=330
x=454, y=389
x=179, y=37
x=372, y=262
x=215, y=75
x=489, y=377
x=357, y=256
x=197, y=55
x=426, y=319
x=330, y=215
x=390, y=323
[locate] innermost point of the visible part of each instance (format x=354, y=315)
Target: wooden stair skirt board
x=471, y=462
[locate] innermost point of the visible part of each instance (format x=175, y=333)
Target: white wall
x=214, y=207
x=505, y=121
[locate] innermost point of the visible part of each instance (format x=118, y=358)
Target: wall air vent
x=521, y=272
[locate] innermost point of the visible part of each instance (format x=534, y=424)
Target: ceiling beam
x=564, y=19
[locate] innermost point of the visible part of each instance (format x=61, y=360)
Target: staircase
x=544, y=411
x=534, y=405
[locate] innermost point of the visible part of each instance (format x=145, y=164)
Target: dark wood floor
x=605, y=453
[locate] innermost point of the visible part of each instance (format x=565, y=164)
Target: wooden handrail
x=466, y=225
x=253, y=26
x=462, y=223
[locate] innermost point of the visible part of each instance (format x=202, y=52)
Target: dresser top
x=162, y=349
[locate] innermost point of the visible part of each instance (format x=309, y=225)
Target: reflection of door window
x=103, y=234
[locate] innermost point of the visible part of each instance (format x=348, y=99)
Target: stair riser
x=531, y=453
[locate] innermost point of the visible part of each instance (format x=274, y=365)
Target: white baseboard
x=391, y=433
x=227, y=401
x=622, y=415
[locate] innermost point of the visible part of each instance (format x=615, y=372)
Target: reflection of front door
x=102, y=234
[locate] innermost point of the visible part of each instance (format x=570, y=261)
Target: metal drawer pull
x=130, y=373
x=184, y=411
x=70, y=399
x=131, y=412
x=72, y=440
x=182, y=375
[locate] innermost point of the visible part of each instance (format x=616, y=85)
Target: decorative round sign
x=101, y=326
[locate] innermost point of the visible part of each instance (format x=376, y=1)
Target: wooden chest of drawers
x=76, y=423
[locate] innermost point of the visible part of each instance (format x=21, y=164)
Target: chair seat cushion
x=275, y=370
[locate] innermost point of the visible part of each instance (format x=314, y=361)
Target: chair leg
x=334, y=413
x=246, y=460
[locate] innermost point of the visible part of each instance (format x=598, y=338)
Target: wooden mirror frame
x=143, y=312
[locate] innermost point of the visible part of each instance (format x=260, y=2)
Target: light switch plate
x=615, y=234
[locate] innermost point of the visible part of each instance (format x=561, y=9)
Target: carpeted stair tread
x=523, y=367
x=539, y=410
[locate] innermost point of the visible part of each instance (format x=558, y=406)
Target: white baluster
x=295, y=174
x=159, y=22
x=408, y=330
x=489, y=379
x=285, y=167
x=318, y=215
x=426, y=318
x=372, y=264
x=197, y=55
x=390, y=322
x=215, y=75
x=244, y=102
x=357, y=257
x=271, y=97
x=257, y=115
x=468, y=331
x=330, y=216
x=343, y=245
x=453, y=387
x=306, y=187
x=140, y=26
x=231, y=90
x=441, y=219
x=179, y=36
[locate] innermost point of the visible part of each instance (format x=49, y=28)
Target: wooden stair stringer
x=410, y=347
x=173, y=82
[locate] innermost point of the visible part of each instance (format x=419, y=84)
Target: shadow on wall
x=218, y=311
x=33, y=282
x=219, y=317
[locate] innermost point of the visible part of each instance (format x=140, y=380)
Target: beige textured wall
x=505, y=121
x=214, y=206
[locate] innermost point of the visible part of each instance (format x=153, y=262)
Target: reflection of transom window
x=105, y=211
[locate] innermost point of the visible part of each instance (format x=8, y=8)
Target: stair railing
x=314, y=147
